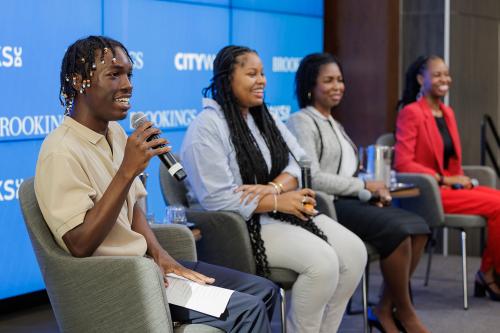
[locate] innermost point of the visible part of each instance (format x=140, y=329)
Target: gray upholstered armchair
x=429, y=206
x=225, y=240
x=105, y=294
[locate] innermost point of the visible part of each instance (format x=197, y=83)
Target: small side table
x=407, y=193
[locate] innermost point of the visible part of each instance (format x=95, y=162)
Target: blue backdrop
x=173, y=44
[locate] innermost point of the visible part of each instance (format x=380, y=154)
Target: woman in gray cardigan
x=399, y=236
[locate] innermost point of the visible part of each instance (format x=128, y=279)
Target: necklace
x=437, y=113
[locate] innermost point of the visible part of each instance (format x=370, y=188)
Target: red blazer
x=419, y=145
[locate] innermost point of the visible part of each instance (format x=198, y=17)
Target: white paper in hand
x=207, y=299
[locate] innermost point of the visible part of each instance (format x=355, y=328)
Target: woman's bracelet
x=276, y=187
x=275, y=210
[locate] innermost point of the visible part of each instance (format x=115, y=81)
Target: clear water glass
x=150, y=218
x=361, y=158
x=175, y=214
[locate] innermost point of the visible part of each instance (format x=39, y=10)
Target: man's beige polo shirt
x=74, y=169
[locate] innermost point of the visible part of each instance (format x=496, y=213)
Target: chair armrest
x=324, y=204
x=108, y=294
x=177, y=240
x=484, y=174
x=224, y=239
x=428, y=203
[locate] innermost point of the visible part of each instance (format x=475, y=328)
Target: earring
x=69, y=106
x=309, y=95
x=420, y=94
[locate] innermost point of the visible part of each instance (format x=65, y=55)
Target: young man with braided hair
x=87, y=187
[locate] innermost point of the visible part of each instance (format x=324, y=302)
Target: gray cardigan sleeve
x=304, y=129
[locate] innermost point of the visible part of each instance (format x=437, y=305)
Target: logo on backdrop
x=194, y=61
x=9, y=189
x=30, y=126
x=286, y=64
x=11, y=56
x=281, y=111
x=137, y=58
x=169, y=119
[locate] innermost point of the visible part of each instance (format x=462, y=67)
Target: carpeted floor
x=439, y=304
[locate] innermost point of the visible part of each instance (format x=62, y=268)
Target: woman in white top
x=399, y=236
x=239, y=158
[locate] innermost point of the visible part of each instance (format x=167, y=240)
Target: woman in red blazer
x=427, y=141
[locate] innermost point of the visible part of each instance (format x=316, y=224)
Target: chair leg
x=364, y=291
x=482, y=241
x=365, y=285
x=431, y=247
x=445, y=242
x=283, y=309
x=464, y=268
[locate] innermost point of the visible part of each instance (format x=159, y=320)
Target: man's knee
x=265, y=288
x=272, y=290
x=253, y=305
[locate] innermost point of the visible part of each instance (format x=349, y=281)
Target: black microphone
x=473, y=181
x=174, y=168
x=305, y=170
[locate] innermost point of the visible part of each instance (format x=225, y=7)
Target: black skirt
x=384, y=228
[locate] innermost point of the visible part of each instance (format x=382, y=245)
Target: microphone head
x=304, y=162
x=138, y=119
x=364, y=195
x=474, y=182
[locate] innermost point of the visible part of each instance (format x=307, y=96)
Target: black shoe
x=398, y=323
x=374, y=322
x=497, y=277
x=481, y=288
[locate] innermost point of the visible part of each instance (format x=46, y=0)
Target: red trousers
x=482, y=201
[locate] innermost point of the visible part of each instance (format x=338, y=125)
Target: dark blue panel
x=301, y=7
x=39, y=34
x=20, y=273
x=281, y=41
x=202, y=2
x=173, y=44
x=175, y=62
x=33, y=37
